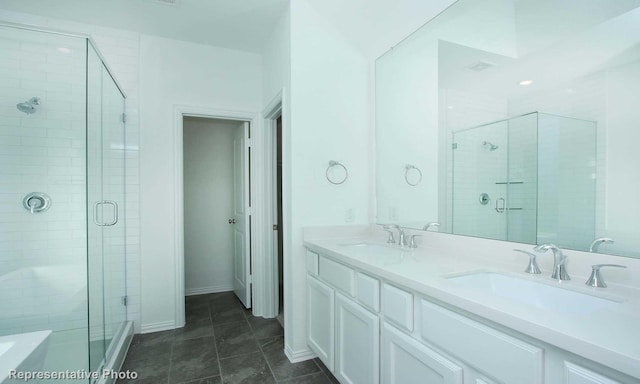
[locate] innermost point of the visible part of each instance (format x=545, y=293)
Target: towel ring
x=408, y=168
x=333, y=180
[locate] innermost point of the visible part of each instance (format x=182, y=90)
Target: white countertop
x=610, y=336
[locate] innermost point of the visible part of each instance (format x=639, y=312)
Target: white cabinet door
x=320, y=320
x=357, y=343
x=406, y=361
x=575, y=374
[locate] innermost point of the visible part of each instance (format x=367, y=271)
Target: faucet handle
x=390, y=239
x=532, y=268
x=432, y=224
x=412, y=242
x=596, y=280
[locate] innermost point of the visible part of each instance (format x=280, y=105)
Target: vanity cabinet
x=342, y=326
x=368, y=330
x=575, y=374
x=357, y=343
x=320, y=320
x=407, y=361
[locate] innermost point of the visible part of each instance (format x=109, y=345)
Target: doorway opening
x=279, y=241
x=216, y=205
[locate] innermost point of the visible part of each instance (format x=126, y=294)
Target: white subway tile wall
x=42, y=255
x=477, y=168
x=120, y=51
x=576, y=189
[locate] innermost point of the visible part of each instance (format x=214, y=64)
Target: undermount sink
x=539, y=295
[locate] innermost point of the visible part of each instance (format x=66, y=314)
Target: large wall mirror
x=515, y=120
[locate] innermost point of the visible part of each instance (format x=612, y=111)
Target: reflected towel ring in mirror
x=333, y=179
x=412, y=181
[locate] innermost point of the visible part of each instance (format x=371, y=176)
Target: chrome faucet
x=559, y=261
x=432, y=224
x=595, y=244
x=390, y=239
x=402, y=240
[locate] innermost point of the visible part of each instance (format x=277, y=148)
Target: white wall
x=208, y=204
x=329, y=121
x=623, y=160
x=178, y=73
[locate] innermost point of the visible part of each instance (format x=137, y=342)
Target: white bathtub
x=22, y=352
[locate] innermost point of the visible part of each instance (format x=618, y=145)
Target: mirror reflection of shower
x=29, y=106
x=490, y=146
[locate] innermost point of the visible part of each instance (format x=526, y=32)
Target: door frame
x=270, y=288
x=258, y=199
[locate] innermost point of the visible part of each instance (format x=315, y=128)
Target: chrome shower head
x=490, y=145
x=29, y=107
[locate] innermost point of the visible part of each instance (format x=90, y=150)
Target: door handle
x=115, y=213
x=500, y=207
x=232, y=221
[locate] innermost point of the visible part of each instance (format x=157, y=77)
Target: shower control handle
x=233, y=221
x=115, y=213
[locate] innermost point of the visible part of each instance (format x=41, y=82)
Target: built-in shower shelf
x=509, y=182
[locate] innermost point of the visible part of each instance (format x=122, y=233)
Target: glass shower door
x=113, y=194
x=480, y=181
x=105, y=194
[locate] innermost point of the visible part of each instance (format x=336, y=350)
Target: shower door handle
x=115, y=213
x=500, y=205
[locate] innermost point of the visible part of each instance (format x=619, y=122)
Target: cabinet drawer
x=338, y=275
x=397, y=306
x=312, y=263
x=404, y=360
x=510, y=360
x=575, y=374
x=368, y=291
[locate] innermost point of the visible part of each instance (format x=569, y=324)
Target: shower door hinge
x=250, y=279
x=124, y=117
x=454, y=146
x=125, y=300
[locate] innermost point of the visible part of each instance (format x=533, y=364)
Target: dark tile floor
x=222, y=343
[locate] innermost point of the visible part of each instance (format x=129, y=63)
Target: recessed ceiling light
x=64, y=50
x=450, y=107
x=526, y=82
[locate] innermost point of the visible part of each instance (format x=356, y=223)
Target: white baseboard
x=299, y=355
x=157, y=327
x=210, y=289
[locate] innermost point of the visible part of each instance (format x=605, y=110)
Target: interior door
x=241, y=216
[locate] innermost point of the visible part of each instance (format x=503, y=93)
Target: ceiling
x=372, y=26
x=236, y=24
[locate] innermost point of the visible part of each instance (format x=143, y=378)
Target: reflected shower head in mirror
x=490, y=146
x=29, y=107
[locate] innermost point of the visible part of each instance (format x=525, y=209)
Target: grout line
x=267, y=361
x=215, y=344
x=173, y=340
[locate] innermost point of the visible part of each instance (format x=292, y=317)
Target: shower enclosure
x=62, y=190
x=528, y=179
